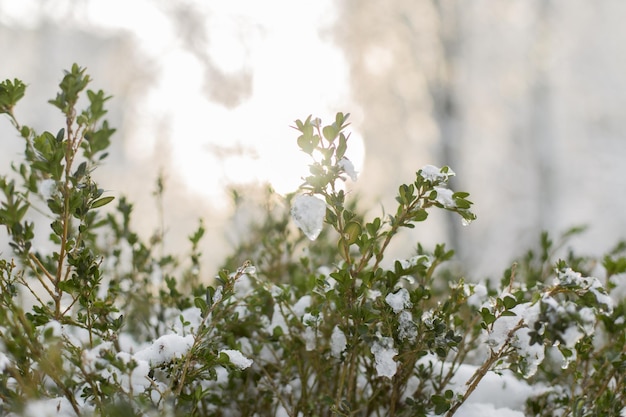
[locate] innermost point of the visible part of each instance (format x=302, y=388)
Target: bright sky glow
x=295, y=72
x=282, y=46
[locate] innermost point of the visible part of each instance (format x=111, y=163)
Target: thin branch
x=43, y=269
x=475, y=379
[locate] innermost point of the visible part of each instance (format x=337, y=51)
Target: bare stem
x=475, y=379
x=48, y=275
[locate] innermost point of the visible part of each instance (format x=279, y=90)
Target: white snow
x=384, y=352
x=433, y=174
x=426, y=260
x=278, y=320
x=338, y=342
x=222, y=374
x=618, y=292
x=275, y=290
x=52, y=407
x=281, y=412
x=52, y=329
x=310, y=338
x=399, y=300
x=478, y=296
x=601, y=296
x=192, y=317
x=571, y=336
x=301, y=305
x=217, y=296
x=246, y=346
x=311, y=320
x=571, y=278
x=4, y=361
x=47, y=188
x=310, y=333
x=533, y=355
x=308, y=213
x=346, y=166
x=137, y=380
x=444, y=197
x=502, y=391
x=373, y=294
x=329, y=284
x=486, y=410
x=243, y=287
x=407, y=329
x=499, y=394
x=90, y=357
x=165, y=349
x=237, y=358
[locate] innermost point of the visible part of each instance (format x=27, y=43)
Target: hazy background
x=524, y=99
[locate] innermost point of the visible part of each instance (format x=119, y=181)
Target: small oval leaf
x=352, y=231
x=330, y=133
x=101, y=202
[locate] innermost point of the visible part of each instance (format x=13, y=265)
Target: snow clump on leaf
x=384, y=352
x=237, y=358
x=348, y=167
x=445, y=197
x=308, y=213
x=165, y=349
x=338, y=342
x=399, y=301
x=436, y=175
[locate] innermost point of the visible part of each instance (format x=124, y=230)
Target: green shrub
x=311, y=322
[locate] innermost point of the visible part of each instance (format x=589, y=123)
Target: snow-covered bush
x=308, y=317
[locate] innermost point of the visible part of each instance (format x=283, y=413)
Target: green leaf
x=330, y=133
x=57, y=227
x=97, y=140
x=10, y=93
x=341, y=247
x=21, y=211
x=72, y=84
x=420, y=215
x=45, y=144
x=201, y=304
x=25, y=132
x=340, y=120
x=342, y=147
x=373, y=227
x=441, y=404
x=462, y=204
x=331, y=218
x=101, y=202
x=509, y=302
x=60, y=135
x=614, y=266
x=488, y=316
x=352, y=231
x=406, y=194
x=80, y=171
x=306, y=144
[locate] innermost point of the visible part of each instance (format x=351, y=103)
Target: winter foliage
x=307, y=318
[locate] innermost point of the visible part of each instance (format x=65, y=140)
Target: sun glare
x=294, y=72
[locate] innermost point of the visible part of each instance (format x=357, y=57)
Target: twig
x=475, y=379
